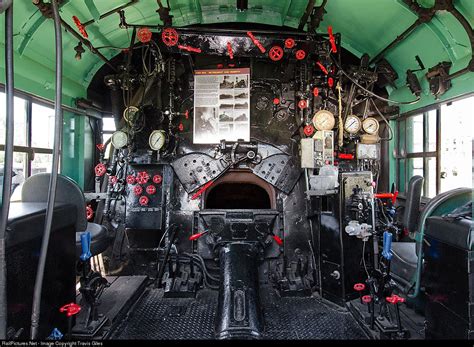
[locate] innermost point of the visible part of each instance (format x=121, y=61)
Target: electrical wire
x=390, y=136
x=372, y=93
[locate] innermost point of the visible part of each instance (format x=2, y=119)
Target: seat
x=405, y=258
x=35, y=189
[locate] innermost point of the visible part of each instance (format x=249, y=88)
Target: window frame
x=425, y=154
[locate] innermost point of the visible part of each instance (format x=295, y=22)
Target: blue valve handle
x=55, y=335
x=86, y=246
x=387, y=245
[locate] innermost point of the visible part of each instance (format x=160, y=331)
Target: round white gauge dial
x=129, y=114
x=119, y=139
x=157, y=140
x=371, y=125
x=324, y=120
x=353, y=124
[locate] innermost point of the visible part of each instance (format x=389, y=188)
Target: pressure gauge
x=157, y=140
x=324, y=120
x=353, y=124
x=370, y=125
x=129, y=114
x=119, y=139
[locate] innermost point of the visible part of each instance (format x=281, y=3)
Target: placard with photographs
x=221, y=105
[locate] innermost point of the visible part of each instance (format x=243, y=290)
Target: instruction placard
x=221, y=105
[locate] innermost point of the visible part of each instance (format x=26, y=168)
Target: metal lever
x=86, y=246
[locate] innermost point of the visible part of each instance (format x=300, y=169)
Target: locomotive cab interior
x=235, y=170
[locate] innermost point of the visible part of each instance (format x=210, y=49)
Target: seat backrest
x=35, y=189
x=412, y=203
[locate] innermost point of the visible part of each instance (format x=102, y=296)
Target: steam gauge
x=157, y=140
x=352, y=124
x=371, y=125
x=324, y=120
x=119, y=139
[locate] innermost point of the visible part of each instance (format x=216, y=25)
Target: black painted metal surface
x=285, y=318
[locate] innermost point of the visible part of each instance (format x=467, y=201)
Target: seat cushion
x=99, y=239
x=404, y=261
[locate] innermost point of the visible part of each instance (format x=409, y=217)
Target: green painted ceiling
x=366, y=26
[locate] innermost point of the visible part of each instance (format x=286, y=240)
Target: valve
x=144, y=35
x=151, y=189
x=169, y=36
x=302, y=104
x=256, y=42
x=315, y=91
x=308, y=130
x=143, y=201
x=86, y=246
x=230, y=51
x=70, y=309
x=80, y=26
x=100, y=147
x=392, y=196
x=300, y=54
x=186, y=114
x=395, y=299
x=358, y=287
x=366, y=299
x=330, y=82
x=113, y=179
x=181, y=127
x=275, y=53
x=100, y=170
x=142, y=177
x=289, y=43
x=137, y=190
x=276, y=101
x=278, y=240
x=130, y=179
x=194, y=237
x=321, y=66
x=190, y=49
x=89, y=212
x=157, y=179
x=332, y=40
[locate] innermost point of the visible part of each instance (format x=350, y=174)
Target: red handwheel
x=170, y=37
x=144, y=35
x=275, y=53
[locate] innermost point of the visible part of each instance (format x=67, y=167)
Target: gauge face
x=157, y=140
x=119, y=139
x=129, y=114
x=371, y=125
x=352, y=125
x=324, y=120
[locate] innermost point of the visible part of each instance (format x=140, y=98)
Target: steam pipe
x=58, y=122
x=7, y=171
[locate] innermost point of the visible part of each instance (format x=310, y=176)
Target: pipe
x=7, y=171
x=58, y=122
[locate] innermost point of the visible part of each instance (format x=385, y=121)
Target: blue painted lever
x=86, y=246
x=387, y=245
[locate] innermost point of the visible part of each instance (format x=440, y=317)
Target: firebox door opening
x=240, y=190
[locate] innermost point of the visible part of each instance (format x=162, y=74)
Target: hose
x=390, y=136
x=58, y=121
x=8, y=166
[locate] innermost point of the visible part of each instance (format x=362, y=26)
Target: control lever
x=70, y=310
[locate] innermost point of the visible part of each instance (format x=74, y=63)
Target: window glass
x=41, y=163
x=456, y=144
x=401, y=138
x=19, y=109
x=42, y=126
x=108, y=124
x=401, y=177
x=414, y=168
x=414, y=134
x=431, y=131
x=19, y=168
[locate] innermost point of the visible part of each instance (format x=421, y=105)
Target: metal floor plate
x=155, y=317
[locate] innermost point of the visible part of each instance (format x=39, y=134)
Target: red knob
x=157, y=179
x=315, y=91
x=395, y=299
x=144, y=35
x=100, y=170
x=289, y=43
x=276, y=101
x=143, y=201
x=180, y=127
x=302, y=104
x=366, y=299
x=70, y=309
x=150, y=190
x=359, y=287
x=308, y=130
x=89, y=212
x=130, y=179
x=300, y=54
x=137, y=190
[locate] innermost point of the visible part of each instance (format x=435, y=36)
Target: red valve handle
x=300, y=54
x=89, y=212
x=157, y=179
x=278, y=240
x=130, y=179
x=194, y=237
x=332, y=40
x=366, y=299
x=330, y=82
x=275, y=53
x=181, y=127
x=186, y=114
x=80, y=26
x=308, y=130
x=100, y=147
x=392, y=196
x=395, y=299
x=347, y=156
x=100, y=170
x=256, y=42
x=289, y=43
x=202, y=190
x=144, y=35
x=230, y=51
x=169, y=36
x=137, y=190
x=276, y=101
x=321, y=66
x=142, y=177
x=70, y=309
x=113, y=179
x=359, y=287
x=143, y=201
x=315, y=91
x=151, y=189
x=190, y=49
x=302, y=104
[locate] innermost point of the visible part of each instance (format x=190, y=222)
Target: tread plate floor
x=155, y=317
